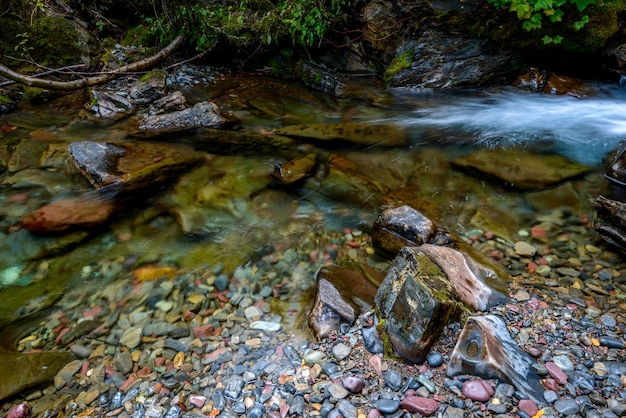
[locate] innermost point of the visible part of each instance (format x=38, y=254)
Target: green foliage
x=534, y=13
x=243, y=23
x=307, y=21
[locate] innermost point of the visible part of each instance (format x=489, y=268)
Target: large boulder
x=417, y=301
x=442, y=61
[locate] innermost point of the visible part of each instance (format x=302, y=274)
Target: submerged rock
x=485, y=348
x=346, y=183
x=519, y=169
x=226, y=142
x=130, y=165
x=417, y=301
x=81, y=211
x=295, y=170
x=359, y=133
x=342, y=294
x=25, y=371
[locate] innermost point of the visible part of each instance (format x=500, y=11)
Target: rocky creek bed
x=211, y=344
x=153, y=337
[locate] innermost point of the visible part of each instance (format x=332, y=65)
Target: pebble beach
x=214, y=343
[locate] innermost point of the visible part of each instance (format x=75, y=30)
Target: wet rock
x=23, y=245
x=108, y=105
x=466, y=277
x=485, y=348
x=358, y=133
x=519, y=169
x=416, y=300
x=130, y=166
x=85, y=211
x=544, y=81
x=398, y=227
x=201, y=115
x=342, y=293
x=148, y=88
x=440, y=61
x=295, y=170
x=611, y=224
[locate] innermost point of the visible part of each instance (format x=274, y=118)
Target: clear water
x=441, y=124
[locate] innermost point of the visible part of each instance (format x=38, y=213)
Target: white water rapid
x=585, y=129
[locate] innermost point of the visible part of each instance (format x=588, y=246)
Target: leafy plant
x=22, y=47
x=534, y=13
x=307, y=21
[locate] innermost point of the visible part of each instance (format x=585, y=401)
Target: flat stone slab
x=519, y=169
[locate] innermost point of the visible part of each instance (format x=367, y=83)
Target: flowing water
x=250, y=213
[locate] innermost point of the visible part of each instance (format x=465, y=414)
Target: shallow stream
x=251, y=217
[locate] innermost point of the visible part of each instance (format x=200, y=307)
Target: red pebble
x=477, y=390
x=528, y=406
x=556, y=372
x=19, y=411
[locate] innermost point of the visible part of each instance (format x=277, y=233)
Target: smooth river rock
x=486, y=349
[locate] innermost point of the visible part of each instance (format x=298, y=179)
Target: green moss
x=399, y=63
x=54, y=42
x=36, y=95
x=6, y=100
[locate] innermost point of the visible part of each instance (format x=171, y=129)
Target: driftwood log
x=95, y=80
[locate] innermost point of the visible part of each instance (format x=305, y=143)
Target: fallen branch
x=61, y=70
x=82, y=83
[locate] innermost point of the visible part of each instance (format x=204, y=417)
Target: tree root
x=98, y=80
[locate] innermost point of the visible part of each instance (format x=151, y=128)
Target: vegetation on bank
x=51, y=33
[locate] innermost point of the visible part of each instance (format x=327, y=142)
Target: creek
x=249, y=213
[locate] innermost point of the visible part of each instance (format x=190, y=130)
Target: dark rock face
x=485, y=348
x=342, y=293
x=416, y=300
x=441, y=61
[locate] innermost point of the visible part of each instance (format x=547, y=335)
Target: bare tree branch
x=82, y=83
